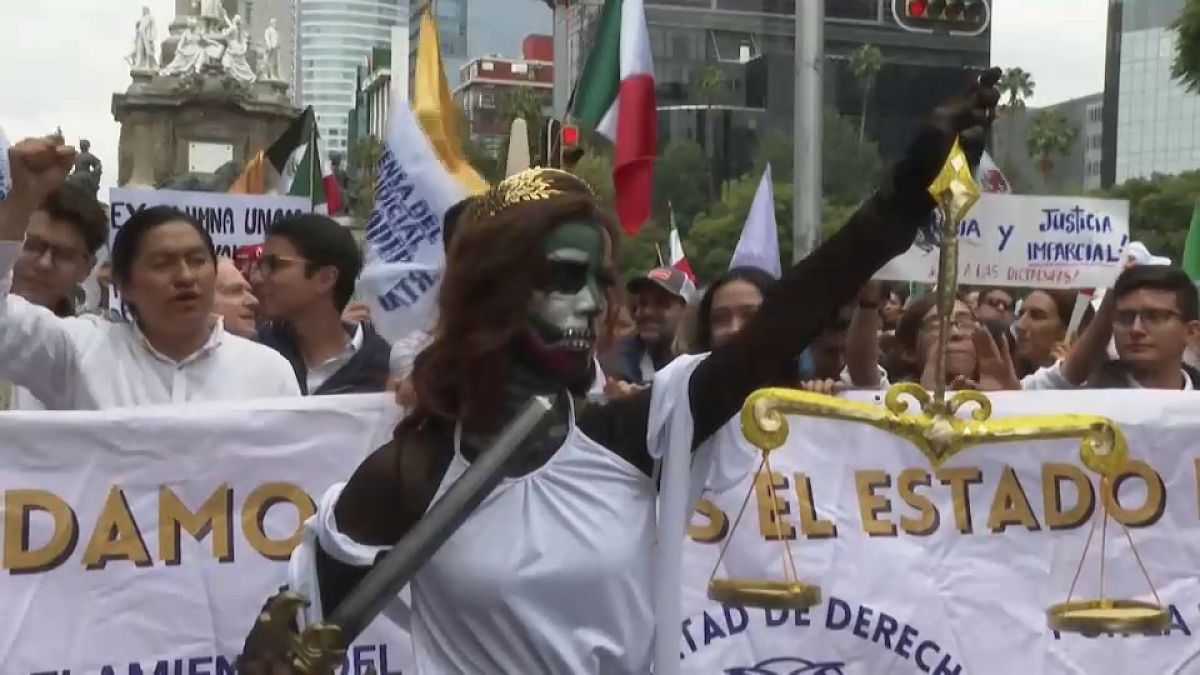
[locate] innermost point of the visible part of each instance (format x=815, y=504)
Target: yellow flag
x=252, y=181
x=436, y=110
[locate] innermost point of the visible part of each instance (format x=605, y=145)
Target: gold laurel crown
x=530, y=185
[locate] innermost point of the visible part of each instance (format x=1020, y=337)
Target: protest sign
x=147, y=540
x=406, y=252
x=1018, y=240
x=951, y=569
x=232, y=220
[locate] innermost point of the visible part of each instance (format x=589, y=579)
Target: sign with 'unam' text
x=232, y=220
x=949, y=570
x=145, y=541
x=1031, y=241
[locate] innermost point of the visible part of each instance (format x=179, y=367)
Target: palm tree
x=1016, y=85
x=865, y=64
x=1186, y=67
x=1050, y=135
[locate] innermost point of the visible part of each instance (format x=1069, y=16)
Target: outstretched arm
x=795, y=309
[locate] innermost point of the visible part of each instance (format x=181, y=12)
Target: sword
x=320, y=648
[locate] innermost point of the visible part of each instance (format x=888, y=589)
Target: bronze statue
x=88, y=169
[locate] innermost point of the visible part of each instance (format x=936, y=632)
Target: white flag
x=405, y=252
x=5, y=174
x=759, y=243
x=990, y=177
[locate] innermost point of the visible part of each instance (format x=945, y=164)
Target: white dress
x=499, y=600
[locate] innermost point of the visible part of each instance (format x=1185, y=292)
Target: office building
x=1155, y=125
x=488, y=82
x=334, y=38
x=747, y=50
x=1079, y=169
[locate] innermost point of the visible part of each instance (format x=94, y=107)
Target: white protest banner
x=232, y=220
x=951, y=570
x=413, y=191
x=1018, y=240
x=147, y=540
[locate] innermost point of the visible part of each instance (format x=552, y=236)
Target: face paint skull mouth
x=573, y=340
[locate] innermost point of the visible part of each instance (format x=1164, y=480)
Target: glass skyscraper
x=334, y=38
x=1158, y=122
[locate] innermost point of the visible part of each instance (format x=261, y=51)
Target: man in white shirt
x=59, y=251
x=173, y=350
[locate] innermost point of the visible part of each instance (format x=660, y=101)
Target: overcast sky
x=65, y=58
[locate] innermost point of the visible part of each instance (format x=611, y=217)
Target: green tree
x=364, y=166
x=487, y=164
x=1186, y=66
x=524, y=103
x=1160, y=209
x=849, y=170
x=681, y=180
x=596, y=169
x=1050, y=135
x=865, y=63
x=1016, y=85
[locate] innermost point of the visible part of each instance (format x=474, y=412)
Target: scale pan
x=764, y=594
x=1092, y=617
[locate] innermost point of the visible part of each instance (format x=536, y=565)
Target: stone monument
x=209, y=102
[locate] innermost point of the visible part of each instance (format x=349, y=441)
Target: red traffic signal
x=961, y=17
x=570, y=135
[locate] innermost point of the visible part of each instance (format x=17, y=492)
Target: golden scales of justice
x=938, y=432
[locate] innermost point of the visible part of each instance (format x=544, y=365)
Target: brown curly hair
x=493, y=266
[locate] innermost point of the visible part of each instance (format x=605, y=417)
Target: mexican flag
x=314, y=177
x=1191, y=248
x=295, y=164
x=615, y=96
x=271, y=170
x=678, y=258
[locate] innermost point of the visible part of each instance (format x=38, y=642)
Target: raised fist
x=38, y=166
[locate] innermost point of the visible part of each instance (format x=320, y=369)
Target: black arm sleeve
x=796, y=309
x=383, y=500
x=793, y=313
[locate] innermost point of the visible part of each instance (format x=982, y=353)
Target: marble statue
x=271, y=43
x=189, y=54
x=87, y=171
x=145, y=46
x=236, y=46
x=212, y=14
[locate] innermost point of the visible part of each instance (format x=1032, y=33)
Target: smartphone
x=1000, y=332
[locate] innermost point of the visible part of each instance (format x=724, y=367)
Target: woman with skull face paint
x=528, y=286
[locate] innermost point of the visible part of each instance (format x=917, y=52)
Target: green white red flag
x=615, y=96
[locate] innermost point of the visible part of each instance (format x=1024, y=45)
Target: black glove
x=967, y=117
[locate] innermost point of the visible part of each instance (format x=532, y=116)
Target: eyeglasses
x=270, y=263
x=1151, y=318
x=60, y=256
x=964, y=323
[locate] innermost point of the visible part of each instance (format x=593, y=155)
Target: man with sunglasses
x=1157, y=312
x=304, y=279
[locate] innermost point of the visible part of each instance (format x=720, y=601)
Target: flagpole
x=658, y=250
x=807, y=133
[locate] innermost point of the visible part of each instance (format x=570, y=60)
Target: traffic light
x=570, y=151
x=960, y=17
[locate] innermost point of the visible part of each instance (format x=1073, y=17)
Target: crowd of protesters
x=187, y=326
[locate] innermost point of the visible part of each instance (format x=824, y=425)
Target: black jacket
x=366, y=372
